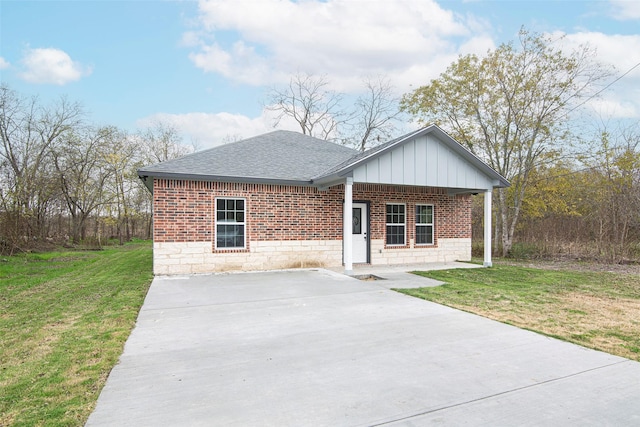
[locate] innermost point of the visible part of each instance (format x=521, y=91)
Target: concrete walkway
x=317, y=348
x=400, y=277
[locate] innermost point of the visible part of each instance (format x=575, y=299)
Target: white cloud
x=190, y=39
x=3, y=64
x=612, y=49
x=206, y=130
x=626, y=10
x=240, y=63
x=407, y=40
x=622, y=98
x=51, y=66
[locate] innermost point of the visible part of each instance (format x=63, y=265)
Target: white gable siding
x=423, y=161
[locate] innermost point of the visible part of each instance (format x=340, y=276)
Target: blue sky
x=205, y=67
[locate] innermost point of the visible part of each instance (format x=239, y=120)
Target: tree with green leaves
x=511, y=108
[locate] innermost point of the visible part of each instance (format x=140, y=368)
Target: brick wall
x=184, y=212
x=452, y=213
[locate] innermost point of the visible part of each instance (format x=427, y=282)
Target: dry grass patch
x=600, y=310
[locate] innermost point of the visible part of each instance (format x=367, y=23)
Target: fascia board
x=217, y=178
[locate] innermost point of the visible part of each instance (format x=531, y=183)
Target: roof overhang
x=341, y=172
x=457, y=191
x=148, y=177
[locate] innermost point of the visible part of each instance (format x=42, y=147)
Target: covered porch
x=430, y=163
x=349, y=218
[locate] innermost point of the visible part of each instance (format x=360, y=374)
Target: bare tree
x=158, y=143
x=162, y=142
x=229, y=138
x=376, y=112
x=308, y=100
x=59, y=176
x=82, y=175
x=120, y=158
x=615, y=190
x=28, y=133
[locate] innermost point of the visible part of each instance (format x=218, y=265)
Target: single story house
x=287, y=200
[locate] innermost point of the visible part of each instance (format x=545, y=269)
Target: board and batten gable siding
x=423, y=161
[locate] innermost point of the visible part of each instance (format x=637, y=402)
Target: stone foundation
x=448, y=250
x=198, y=257
x=172, y=258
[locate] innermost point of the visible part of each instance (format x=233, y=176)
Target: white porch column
x=347, y=241
x=487, y=228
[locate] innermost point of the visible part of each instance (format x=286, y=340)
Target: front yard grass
x=64, y=318
x=600, y=310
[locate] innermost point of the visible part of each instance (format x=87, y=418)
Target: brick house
x=279, y=200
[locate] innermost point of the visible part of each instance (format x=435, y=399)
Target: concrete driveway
x=314, y=347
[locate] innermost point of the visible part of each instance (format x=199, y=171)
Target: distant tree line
x=64, y=180
x=573, y=193
x=588, y=207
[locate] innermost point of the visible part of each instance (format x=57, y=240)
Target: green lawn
x=64, y=318
x=594, y=309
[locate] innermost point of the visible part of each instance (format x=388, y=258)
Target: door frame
x=367, y=203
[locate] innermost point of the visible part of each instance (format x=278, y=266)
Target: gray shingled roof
x=286, y=157
x=281, y=155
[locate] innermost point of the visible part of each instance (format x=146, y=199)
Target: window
x=357, y=221
x=230, y=223
x=424, y=224
x=396, y=224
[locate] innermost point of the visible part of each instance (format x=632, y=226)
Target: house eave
x=331, y=180
x=460, y=191
x=148, y=176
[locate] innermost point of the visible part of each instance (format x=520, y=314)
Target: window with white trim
x=424, y=224
x=396, y=224
x=230, y=223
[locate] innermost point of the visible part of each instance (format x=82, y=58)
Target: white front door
x=360, y=233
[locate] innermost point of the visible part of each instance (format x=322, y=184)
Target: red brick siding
x=184, y=210
x=294, y=213
x=452, y=213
